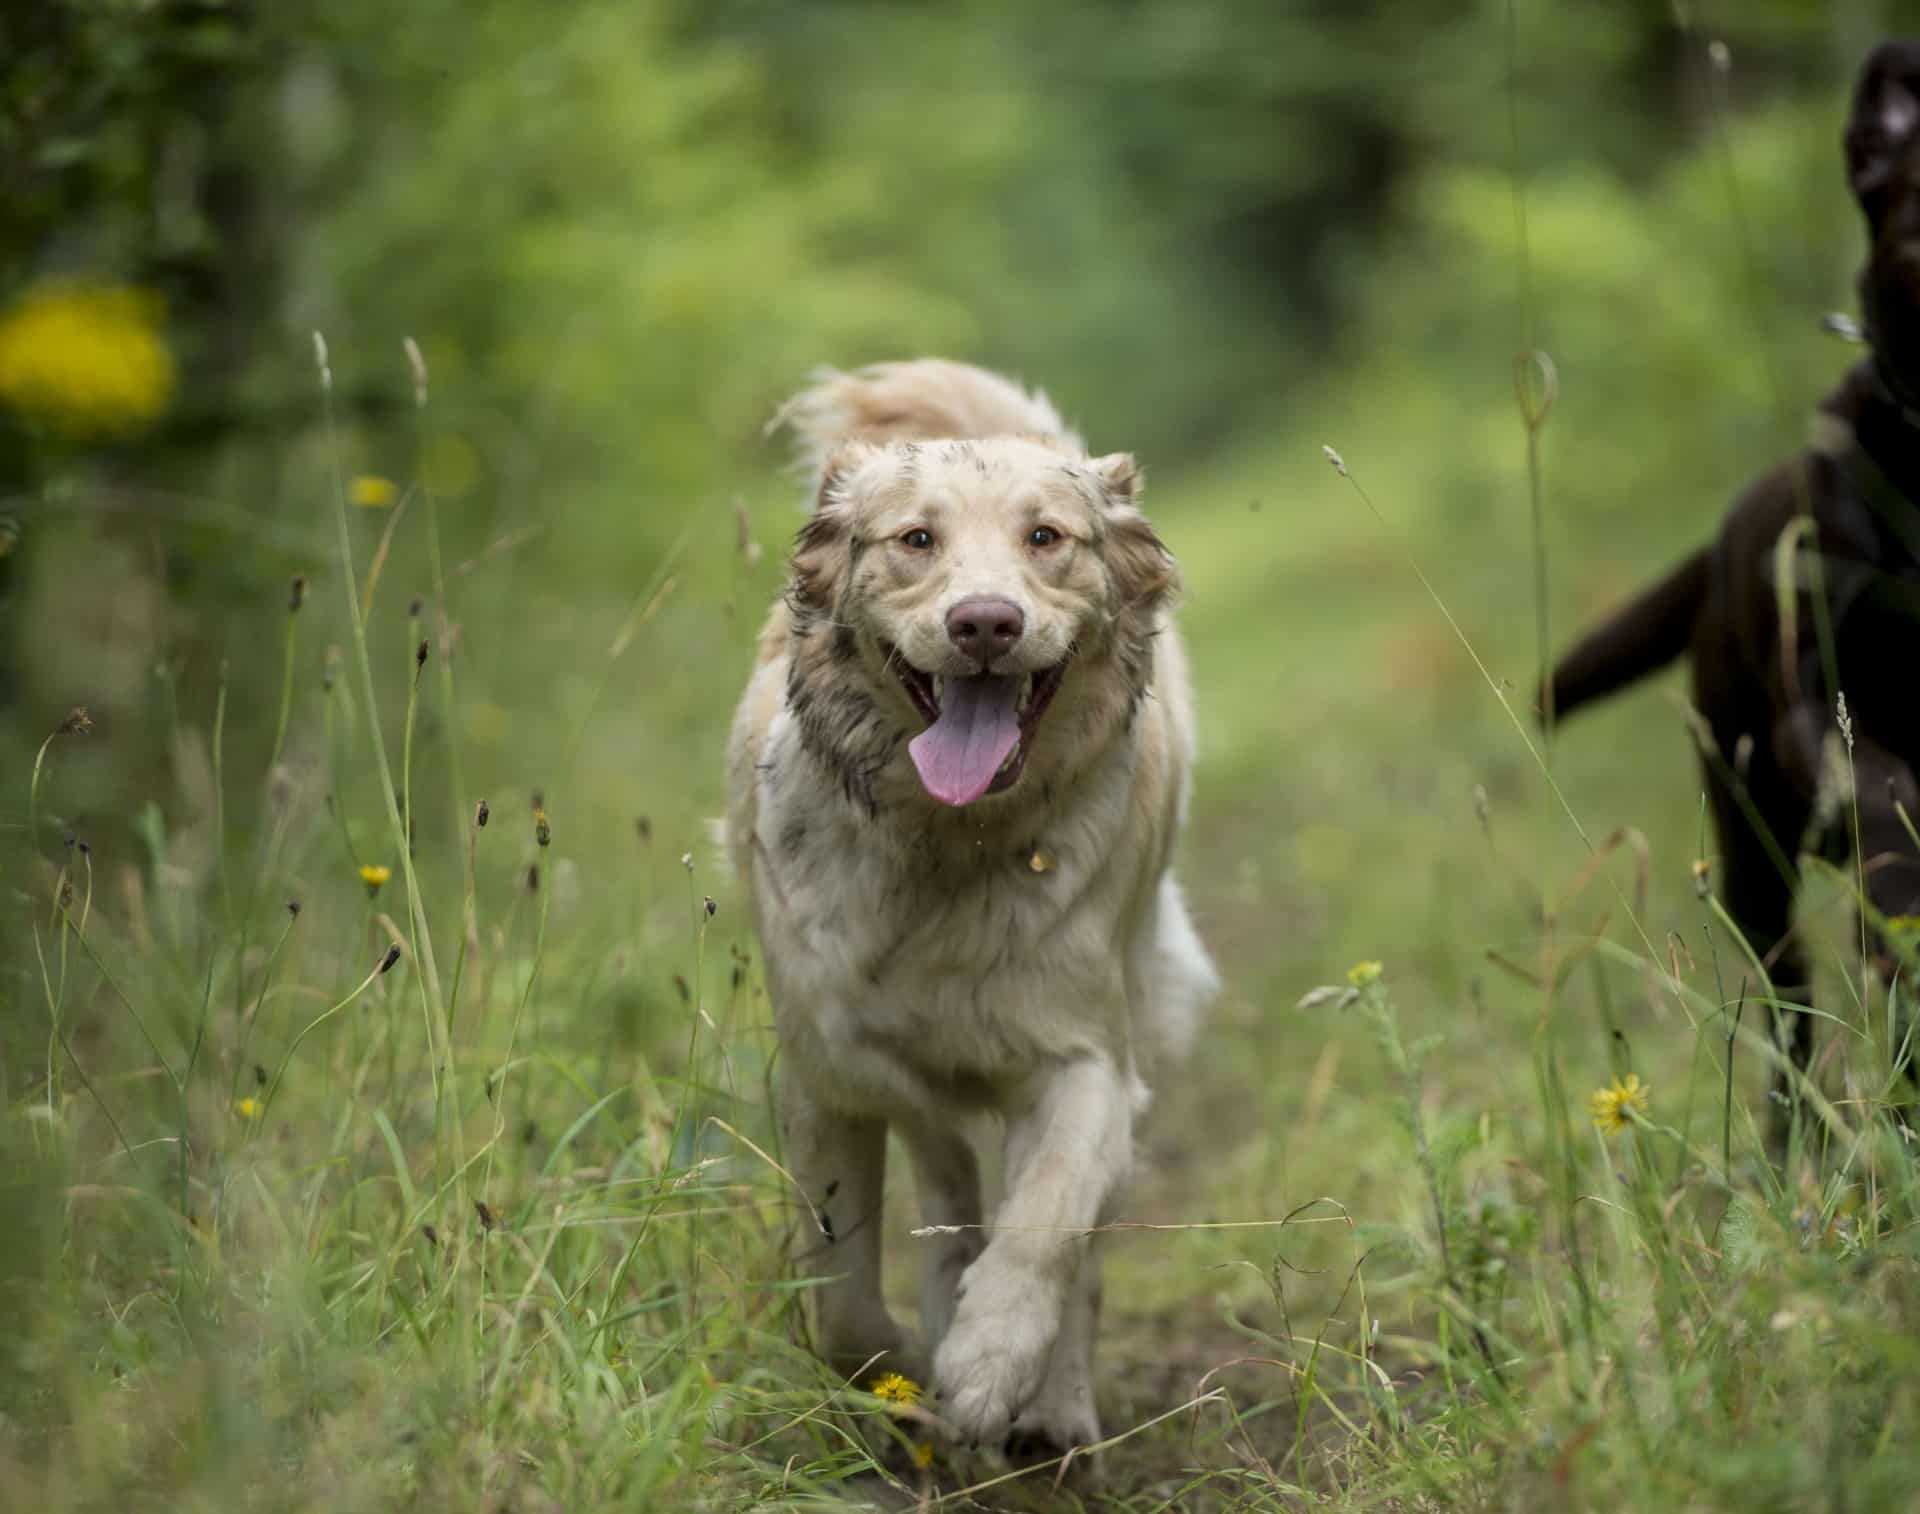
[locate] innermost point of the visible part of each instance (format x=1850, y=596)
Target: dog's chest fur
x=970, y=956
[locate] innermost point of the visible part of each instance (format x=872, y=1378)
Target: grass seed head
x=480, y=814
x=77, y=723
x=417, y=365
x=392, y=956
x=296, y=592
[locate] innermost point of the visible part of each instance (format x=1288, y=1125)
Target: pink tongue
x=979, y=725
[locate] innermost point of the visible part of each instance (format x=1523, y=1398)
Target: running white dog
x=956, y=779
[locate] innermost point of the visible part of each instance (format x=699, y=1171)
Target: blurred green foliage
x=623, y=232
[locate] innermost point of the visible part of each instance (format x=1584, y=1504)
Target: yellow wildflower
x=373, y=874
x=86, y=359
x=895, y=1389
x=249, y=1108
x=923, y=1454
x=371, y=492
x=1609, y=1106
x=1364, y=974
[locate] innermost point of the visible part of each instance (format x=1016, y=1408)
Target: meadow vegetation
x=385, y=1058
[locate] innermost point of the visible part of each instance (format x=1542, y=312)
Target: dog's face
x=1883, y=167
x=955, y=594
x=1890, y=281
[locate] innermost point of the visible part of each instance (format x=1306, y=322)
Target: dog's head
x=989, y=603
x=1886, y=112
x=1883, y=167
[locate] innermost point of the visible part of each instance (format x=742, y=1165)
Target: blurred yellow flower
x=249, y=1108
x=371, y=492
x=923, y=1454
x=895, y=1389
x=87, y=359
x=373, y=875
x=1609, y=1106
x=1361, y=974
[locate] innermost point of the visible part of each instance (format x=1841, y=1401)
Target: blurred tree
x=135, y=242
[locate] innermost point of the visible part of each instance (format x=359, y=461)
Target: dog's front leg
x=840, y=1161
x=948, y=1178
x=1068, y=1144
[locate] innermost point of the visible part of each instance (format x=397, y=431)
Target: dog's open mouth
x=975, y=742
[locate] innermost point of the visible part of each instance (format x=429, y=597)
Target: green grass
x=283, y=1229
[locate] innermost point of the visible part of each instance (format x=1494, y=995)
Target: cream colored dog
x=955, y=783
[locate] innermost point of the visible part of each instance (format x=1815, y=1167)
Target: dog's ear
x=1138, y=563
x=1886, y=114
x=822, y=550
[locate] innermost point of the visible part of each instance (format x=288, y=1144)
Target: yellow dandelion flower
x=923, y=1454
x=373, y=874
x=371, y=492
x=1609, y=1106
x=895, y=1389
x=87, y=359
x=1363, y=974
x=249, y=1108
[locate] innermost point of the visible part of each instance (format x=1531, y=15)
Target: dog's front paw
x=1052, y=1425
x=995, y=1353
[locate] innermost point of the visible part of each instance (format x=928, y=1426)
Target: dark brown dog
x=1770, y=685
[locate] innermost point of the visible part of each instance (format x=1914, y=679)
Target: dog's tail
x=926, y=400
x=1648, y=634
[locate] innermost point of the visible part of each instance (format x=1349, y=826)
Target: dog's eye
x=1042, y=536
x=919, y=538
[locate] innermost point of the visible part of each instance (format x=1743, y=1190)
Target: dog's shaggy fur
x=1763, y=681
x=1024, y=952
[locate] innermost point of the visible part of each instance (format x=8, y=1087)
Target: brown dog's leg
x=1885, y=786
x=1758, y=839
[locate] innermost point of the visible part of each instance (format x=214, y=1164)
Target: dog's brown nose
x=985, y=628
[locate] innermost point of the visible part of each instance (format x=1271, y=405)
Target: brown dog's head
x=1883, y=167
x=989, y=603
